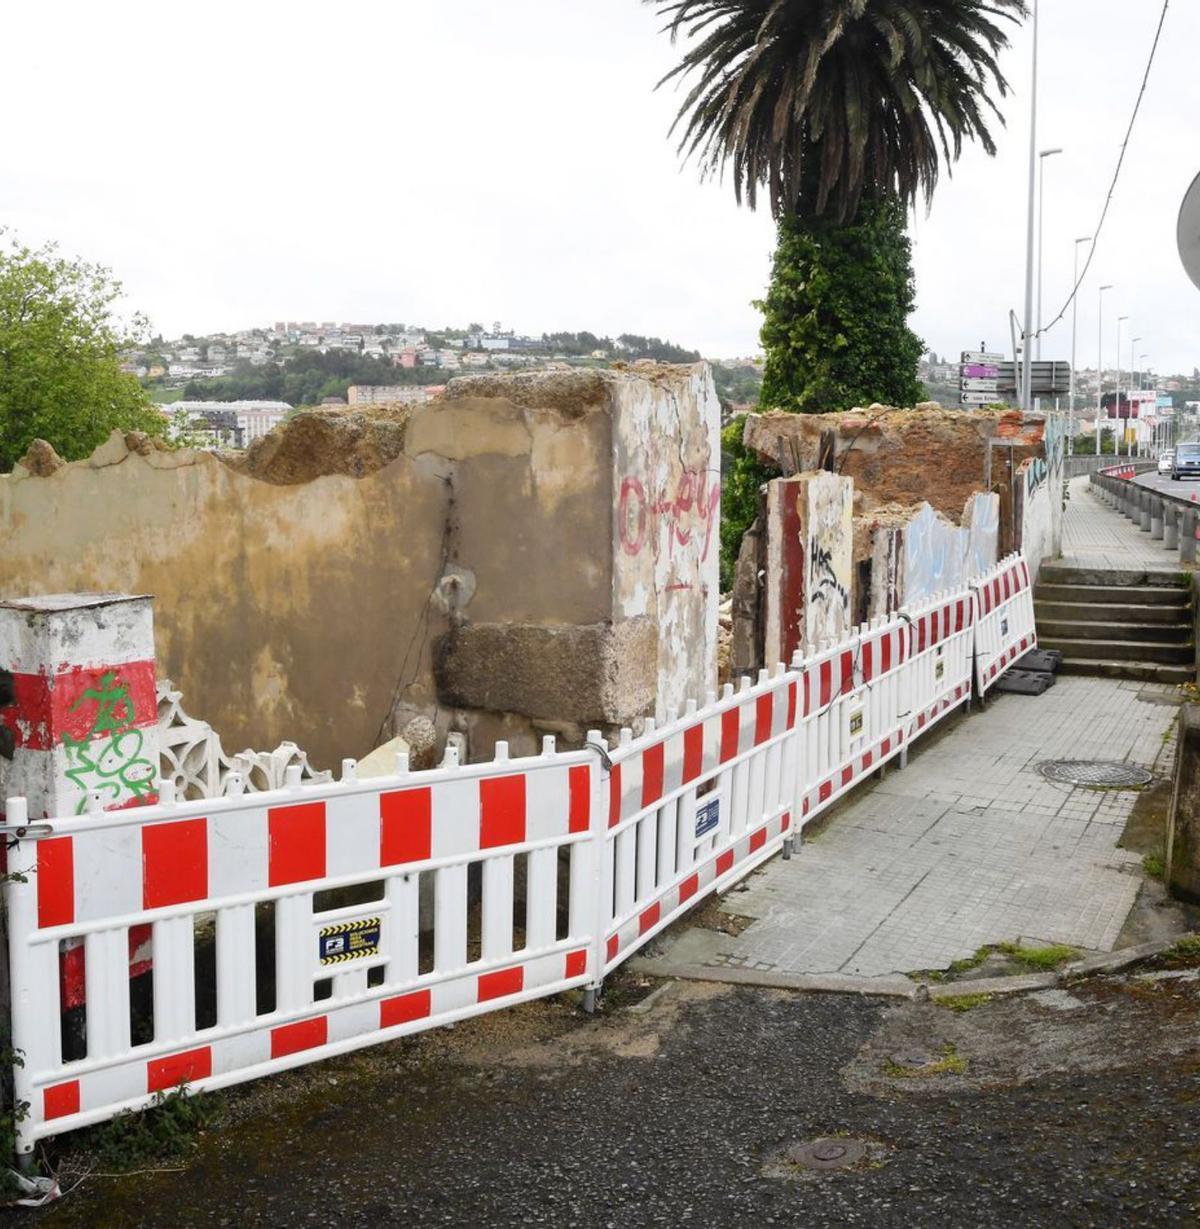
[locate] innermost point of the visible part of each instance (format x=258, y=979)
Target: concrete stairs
x=1120, y=624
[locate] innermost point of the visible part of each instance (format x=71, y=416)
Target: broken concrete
x=301, y=589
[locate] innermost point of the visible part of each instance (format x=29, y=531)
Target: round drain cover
x=1096, y=774
x=828, y=1153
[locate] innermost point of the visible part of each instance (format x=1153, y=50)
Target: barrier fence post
x=1145, y=511
x=1156, y=517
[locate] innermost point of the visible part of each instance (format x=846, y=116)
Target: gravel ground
x=1077, y=1107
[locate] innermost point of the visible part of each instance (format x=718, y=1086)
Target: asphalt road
x=1163, y=484
x=1068, y=1109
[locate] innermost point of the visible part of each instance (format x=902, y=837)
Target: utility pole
x=1121, y=431
x=1027, y=349
x=1074, y=336
x=1100, y=371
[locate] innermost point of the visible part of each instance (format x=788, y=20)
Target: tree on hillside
x=842, y=111
x=60, y=367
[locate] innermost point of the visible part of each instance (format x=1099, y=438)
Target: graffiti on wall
x=685, y=511
x=830, y=550
x=105, y=755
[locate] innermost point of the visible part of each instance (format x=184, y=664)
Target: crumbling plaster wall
x=666, y=520
x=457, y=562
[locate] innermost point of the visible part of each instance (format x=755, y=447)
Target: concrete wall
x=1040, y=497
x=463, y=564
x=809, y=552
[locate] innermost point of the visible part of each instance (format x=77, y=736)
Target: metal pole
x=1100, y=371
x=1074, y=335
x=1120, y=430
x=1027, y=350
x=1135, y=444
x=1046, y=153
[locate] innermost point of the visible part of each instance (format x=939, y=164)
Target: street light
x=1046, y=153
x=1121, y=431
x=1027, y=352
x=1100, y=370
x=1074, y=333
x=1132, y=385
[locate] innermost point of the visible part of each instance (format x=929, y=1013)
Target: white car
x=1166, y=461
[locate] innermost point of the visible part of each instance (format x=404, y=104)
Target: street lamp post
x=1046, y=153
x=1121, y=431
x=1132, y=385
x=1100, y=370
x=1027, y=349
x=1074, y=334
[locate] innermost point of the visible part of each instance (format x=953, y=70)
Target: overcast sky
x=441, y=161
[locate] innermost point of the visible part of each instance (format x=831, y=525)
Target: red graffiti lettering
x=680, y=512
x=631, y=491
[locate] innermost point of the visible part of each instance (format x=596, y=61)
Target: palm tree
x=843, y=112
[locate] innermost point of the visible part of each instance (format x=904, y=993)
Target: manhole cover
x=828, y=1153
x=1096, y=774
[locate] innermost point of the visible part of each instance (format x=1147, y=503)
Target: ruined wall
x=809, y=551
x=1039, y=497
x=667, y=478
x=455, y=563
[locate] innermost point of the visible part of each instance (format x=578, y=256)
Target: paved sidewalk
x=1094, y=536
x=969, y=845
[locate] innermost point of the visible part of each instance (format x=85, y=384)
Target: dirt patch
x=712, y=916
x=318, y=442
x=1101, y=1024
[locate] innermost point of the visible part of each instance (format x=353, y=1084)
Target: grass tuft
x=950, y=1063
x=964, y=1002
x=1039, y=958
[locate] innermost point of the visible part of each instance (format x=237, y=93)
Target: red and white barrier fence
x=1004, y=622
x=300, y=923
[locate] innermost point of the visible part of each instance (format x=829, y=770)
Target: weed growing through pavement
x=1154, y=864
x=1039, y=958
x=964, y=1002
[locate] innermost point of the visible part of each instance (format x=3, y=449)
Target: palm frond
x=822, y=101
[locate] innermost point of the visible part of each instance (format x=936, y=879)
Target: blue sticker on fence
x=347, y=941
x=708, y=816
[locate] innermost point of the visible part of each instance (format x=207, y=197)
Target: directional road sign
x=979, y=371
x=980, y=386
x=981, y=356
x=979, y=398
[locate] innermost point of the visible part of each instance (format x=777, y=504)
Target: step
x=1147, y=671
x=1109, y=612
x=1145, y=633
x=1123, y=650
x=1141, y=595
x=1056, y=574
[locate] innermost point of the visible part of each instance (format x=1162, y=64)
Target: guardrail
x=312, y=920
x=1171, y=519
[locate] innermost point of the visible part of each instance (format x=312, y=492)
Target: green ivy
x=742, y=475
x=835, y=327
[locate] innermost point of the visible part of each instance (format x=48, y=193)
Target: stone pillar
x=82, y=713
x=809, y=563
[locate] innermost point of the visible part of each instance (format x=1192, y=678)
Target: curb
x=897, y=985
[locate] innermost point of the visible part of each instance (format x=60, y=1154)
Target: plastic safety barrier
x=693, y=808
x=1004, y=621
x=345, y=974
x=304, y=922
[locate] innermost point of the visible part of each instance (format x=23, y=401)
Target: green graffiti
x=108, y=759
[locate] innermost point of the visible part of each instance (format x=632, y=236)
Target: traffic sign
x=980, y=386
x=979, y=398
x=981, y=356
x=979, y=371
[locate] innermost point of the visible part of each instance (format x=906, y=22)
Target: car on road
x=1166, y=460
x=1186, y=462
